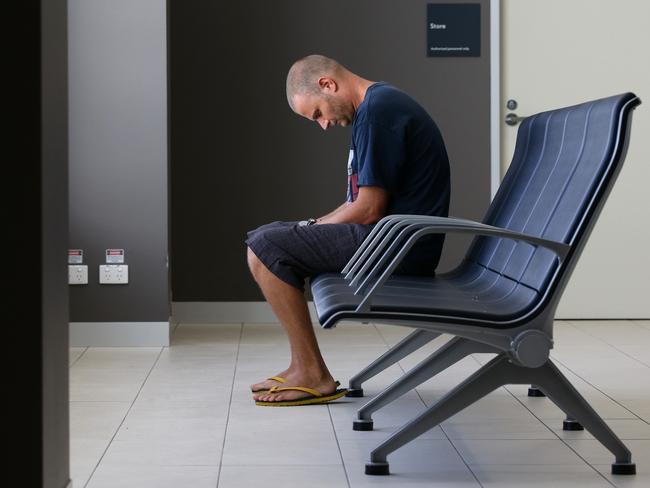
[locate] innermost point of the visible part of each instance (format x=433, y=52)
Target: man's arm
x=333, y=212
x=368, y=208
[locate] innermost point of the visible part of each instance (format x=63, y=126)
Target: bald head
x=303, y=76
x=323, y=90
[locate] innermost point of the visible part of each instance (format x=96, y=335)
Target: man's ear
x=327, y=85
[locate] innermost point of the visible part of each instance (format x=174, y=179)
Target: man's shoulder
x=392, y=108
x=385, y=96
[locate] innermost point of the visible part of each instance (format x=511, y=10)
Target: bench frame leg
x=448, y=354
x=498, y=372
x=412, y=342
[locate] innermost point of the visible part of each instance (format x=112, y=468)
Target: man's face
x=324, y=109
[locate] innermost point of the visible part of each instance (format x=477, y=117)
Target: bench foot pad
x=622, y=468
x=571, y=425
x=363, y=425
x=354, y=393
x=377, y=469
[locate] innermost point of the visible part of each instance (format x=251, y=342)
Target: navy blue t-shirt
x=397, y=146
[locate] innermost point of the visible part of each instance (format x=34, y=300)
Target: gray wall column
x=118, y=156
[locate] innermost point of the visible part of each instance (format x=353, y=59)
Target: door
x=557, y=53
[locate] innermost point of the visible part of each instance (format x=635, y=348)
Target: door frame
x=495, y=96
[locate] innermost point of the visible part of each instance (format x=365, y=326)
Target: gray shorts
x=293, y=252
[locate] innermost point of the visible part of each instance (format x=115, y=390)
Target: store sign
x=454, y=30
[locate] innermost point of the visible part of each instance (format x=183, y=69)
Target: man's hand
x=310, y=221
x=368, y=208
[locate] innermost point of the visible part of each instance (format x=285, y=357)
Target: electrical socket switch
x=113, y=274
x=78, y=274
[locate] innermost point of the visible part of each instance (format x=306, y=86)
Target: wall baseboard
x=120, y=334
x=227, y=312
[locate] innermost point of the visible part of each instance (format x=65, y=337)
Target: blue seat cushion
x=470, y=291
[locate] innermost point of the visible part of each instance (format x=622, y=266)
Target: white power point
x=113, y=274
x=78, y=274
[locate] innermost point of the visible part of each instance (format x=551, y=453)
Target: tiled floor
x=183, y=417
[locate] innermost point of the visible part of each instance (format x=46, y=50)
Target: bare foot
x=267, y=384
x=323, y=383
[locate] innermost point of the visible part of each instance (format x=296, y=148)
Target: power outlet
x=113, y=274
x=78, y=274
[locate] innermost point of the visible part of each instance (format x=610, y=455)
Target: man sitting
x=397, y=165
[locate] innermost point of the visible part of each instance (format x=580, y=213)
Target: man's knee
x=254, y=264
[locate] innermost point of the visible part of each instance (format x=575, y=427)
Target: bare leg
x=307, y=366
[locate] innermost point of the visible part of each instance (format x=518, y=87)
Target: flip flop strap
x=279, y=379
x=276, y=389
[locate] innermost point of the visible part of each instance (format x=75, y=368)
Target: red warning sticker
x=75, y=256
x=114, y=256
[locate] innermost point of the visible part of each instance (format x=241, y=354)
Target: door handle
x=513, y=119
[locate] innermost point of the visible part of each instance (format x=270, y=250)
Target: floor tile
x=221, y=375
x=111, y=476
x=496, y=407
x=595, y=453
x=624, y=428
x=640, y=352
x=279, y=436
x=386, y=420
x=289, y=446
x=545, y=409
x=171, y=429
x=85, y=455
x=523, y=451
x=75, y=354
x=213, y=359
x=96, y=420
x=556, y=476
x=639, y=480
x=356, y=335
x=105, y=386
x=161, y=409
x=422, y=462
x=164, y=452
x=259, y=353
x=437, y=477
x=530, y=428
x=283, y=476
x=207, y=391
x=567, y=334
x=169, y=416
x=640, y=407
x=122, y=358
x=614, y=332
x=392, y=334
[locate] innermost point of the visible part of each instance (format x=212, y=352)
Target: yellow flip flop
x=279, y=379
x=316, y=397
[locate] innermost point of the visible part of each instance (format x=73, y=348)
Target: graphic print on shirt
x=353, y=188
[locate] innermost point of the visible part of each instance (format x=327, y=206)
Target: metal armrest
x=370, y=242
x=378, y=239
x=386, y=239
x=436, y=225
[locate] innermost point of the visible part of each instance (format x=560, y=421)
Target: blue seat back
x=561, y=159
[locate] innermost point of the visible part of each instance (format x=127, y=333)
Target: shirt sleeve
x=380, y=156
